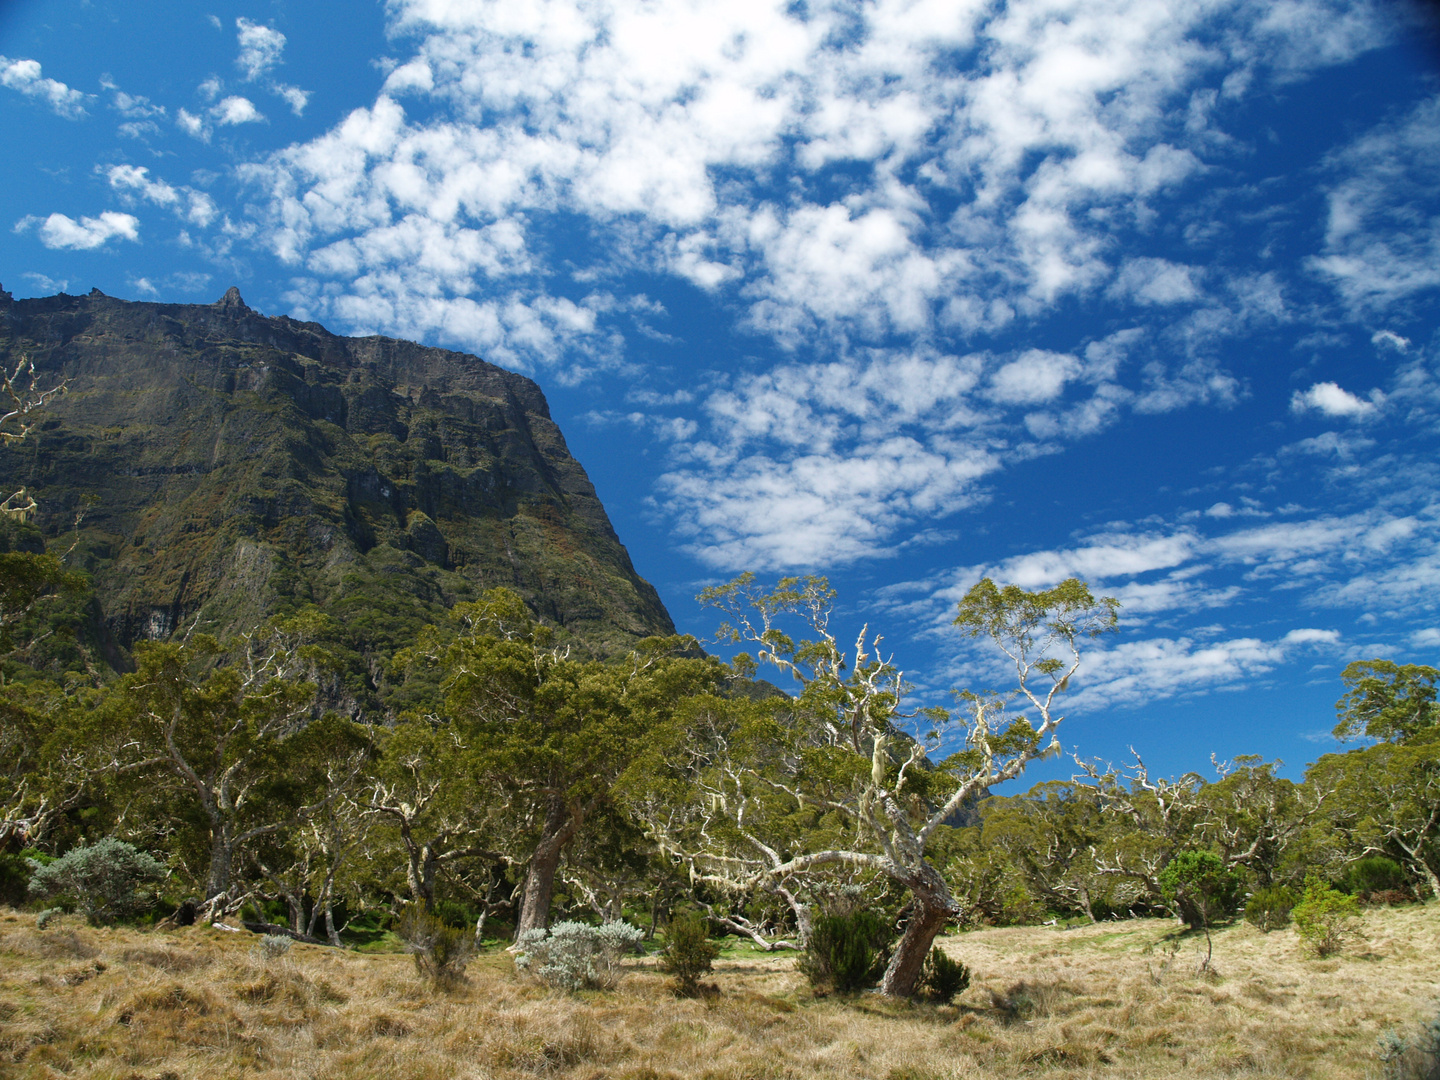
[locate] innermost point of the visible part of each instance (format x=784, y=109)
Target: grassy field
x=1113, y=1000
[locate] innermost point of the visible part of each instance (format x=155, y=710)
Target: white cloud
x=192, y=125
x=25, y=77
x=236, y=110
x=1390, y=339
x=634, y=115
x=187, y=203
x=1138, y=673
x=1382, y=235
x=1033, y=378
x=64, y=233
x=293, y=96
x=260, y=48
x=1156, y=281
x=1330, y=399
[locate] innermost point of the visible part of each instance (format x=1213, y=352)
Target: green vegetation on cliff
x=233, y=467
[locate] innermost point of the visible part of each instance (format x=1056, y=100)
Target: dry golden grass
x=1105, y=1001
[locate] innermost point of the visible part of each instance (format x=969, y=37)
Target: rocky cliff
x=238, y=466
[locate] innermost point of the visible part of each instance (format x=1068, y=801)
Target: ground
x=1115, y=1000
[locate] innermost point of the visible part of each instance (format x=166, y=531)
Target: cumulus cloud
x=260, y=48
x=236, y=110
x=1329, y=399
x=229, y=111
x=61, y=232
x=25, y=76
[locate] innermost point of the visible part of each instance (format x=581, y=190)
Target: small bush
x=942, y=978
x=1325, y=917
x=1373, y=874
x=1203, y=889
x=441, y=952
x=689, y=953
x=272, y=947
x=110, y=879
x=46, y=917
x=845, y=952
x=1269, y=909
x=576, y=956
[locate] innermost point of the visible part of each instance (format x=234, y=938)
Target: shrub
x=846, y=951
x=576, y=956
x=46, y=917
x=1203, y=889
x=1269, y=908
x=1373, y=874
x=110, y=879
x=1325, y=917
x=271, y=947
x=1416, y=1058
x=689, y=952
x=441, y=952
x=942, y=978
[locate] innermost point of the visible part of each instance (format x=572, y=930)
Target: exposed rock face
x=241, y=466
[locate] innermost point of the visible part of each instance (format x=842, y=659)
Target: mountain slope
x=241, y=466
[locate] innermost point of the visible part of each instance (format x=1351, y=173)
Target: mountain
x=231, y=466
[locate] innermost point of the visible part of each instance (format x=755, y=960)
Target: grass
x=1115, y=1001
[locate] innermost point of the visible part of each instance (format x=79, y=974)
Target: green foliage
x=1388, y=701
x=942, y=978
x=1204, y=890
x=15, y=874
x=1373, y=874
x=1382, y=799
x=107, y=880
x=846, y=950
x=576, y=956
x=441, y=952
x=1325, y=917
x=689, y=953
x=1269, y=908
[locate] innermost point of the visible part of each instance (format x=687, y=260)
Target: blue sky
x=905, y=292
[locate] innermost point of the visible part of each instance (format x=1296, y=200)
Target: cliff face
x=237, y=466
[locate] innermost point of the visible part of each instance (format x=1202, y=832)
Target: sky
x=902, y=292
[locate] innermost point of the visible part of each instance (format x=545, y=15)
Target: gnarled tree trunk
x=562, y=822
x=934, y=907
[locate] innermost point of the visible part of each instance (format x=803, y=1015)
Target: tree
x=240, y=739
x=551, y=732
x=429, y=792
x=1386, y=801
x=1203, y=889
x=1052, y=833
x=836, y=762
x=44, y=773
x=1388, y=701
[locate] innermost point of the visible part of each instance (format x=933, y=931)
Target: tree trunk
x=903, y=972
x=561, y=825
x=218, y=879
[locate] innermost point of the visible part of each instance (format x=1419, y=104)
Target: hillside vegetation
x=1102, y=1001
